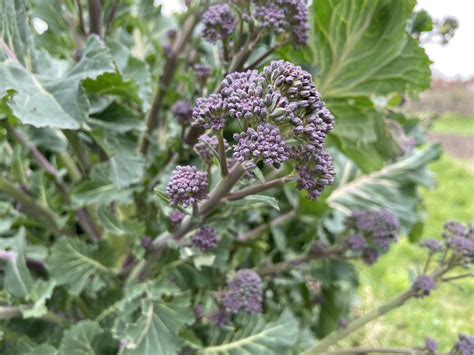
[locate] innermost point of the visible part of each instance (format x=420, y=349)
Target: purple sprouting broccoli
x=423, y=285
x=460, y=240
x=205, y=239
x=176, y=218
x=284, y=16
x=187, y=186
x=183, y=111
x=220, y=318
x=431, y=345
x=265, y=144
x=315, y=170
x=433, y=245
x=465, y=345
x=356, y=242
x=377, y=229
x=219, y=23
x=244, y=293
x=279, y=105
x=209, y=113
x=243, y=95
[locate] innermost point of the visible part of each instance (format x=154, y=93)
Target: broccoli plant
x=207, y=182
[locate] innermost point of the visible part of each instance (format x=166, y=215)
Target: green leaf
x=72, y=263
x=257, y=337
x=15, y=31
x=53, y=97
x=86, y=338
x=18, y=280
x=394, y=187
x=40, y=293
x=164, y=312
x=361, y=49
x=125, y=169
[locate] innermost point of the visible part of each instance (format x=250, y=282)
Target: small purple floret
x=244, y=293
x=187, y=186
x=423, y=286
x=218, y=22
x=205, y=239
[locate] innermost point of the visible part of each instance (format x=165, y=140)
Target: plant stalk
x=254, y=233
x=169, y=71
x=95, y=17
x=256, y=189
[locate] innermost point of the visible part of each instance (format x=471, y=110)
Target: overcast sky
x=454, y=60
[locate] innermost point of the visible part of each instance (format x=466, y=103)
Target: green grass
x=454, y=124
x=449, y=310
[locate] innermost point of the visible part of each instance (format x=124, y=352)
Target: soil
x=457, y=146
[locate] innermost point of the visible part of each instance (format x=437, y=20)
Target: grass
x=454, y=124
x=447, y=312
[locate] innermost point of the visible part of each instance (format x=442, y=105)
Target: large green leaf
x=394, y=187
x=362, y=48
x=73, y=262
x=164, y=312
x=15, y=31
x=257, y=337
x=86, y=338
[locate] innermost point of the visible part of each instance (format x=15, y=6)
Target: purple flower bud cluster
x=187, y=186
x=431, y=345
x=266, y=143
x=243, y=94
x=205, y=239
x=465, y=345
x=280, y=105
x=205, y=146
x=183, y=111
x=372, y=233
x=423, y=285
x=220, y=318
x=315, y=169
x=176, y=218
x=356, y=242
x=433, y=245
x=210, y=112
x=244, y=293
x=218, y=22
x=294, y=83
x=460, y=240
x=284, y=16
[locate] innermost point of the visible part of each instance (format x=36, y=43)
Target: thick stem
x=166, y=79
x=95, y=17
x=32, y=208
x=254, y=233
x=221, y=190
x=256, y=189
x=81, y=17
x=222, y=156
x=9, y=312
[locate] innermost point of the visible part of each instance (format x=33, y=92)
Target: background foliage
x=79, y=220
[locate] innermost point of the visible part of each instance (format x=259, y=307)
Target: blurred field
x=449, y=310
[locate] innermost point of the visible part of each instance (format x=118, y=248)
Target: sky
x=454, y=60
